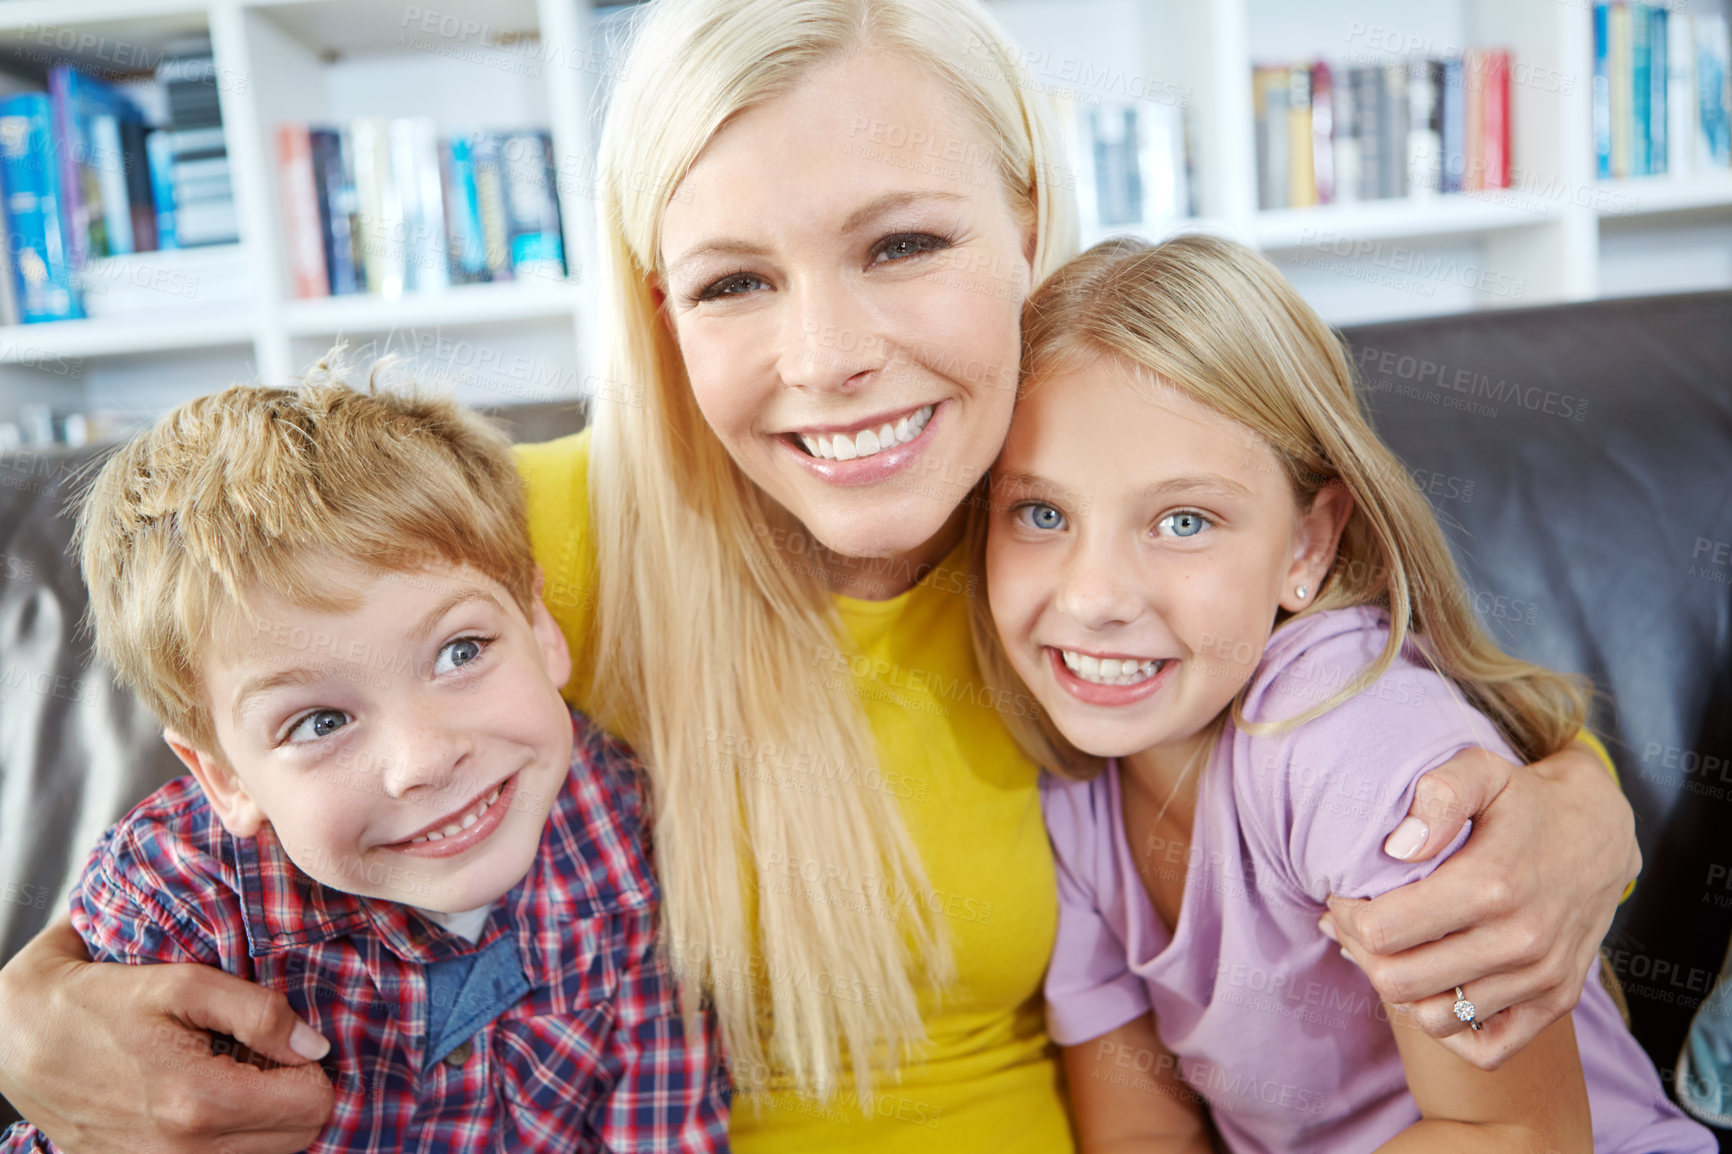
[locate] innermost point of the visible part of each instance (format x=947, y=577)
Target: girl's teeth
x=842, y=447
x=1109, y=670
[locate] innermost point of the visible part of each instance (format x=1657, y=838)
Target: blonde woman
x=821, y=218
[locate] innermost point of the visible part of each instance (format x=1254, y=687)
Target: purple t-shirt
x=1285, y=1038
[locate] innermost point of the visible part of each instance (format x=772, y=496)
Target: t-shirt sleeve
x=556, y=488
x=1090, y=987
x=127, y=905
x=1317, y=802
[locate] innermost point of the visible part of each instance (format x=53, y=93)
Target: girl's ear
x=1315, y=540
x=228, y=798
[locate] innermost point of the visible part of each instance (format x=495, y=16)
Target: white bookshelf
x=1560, y=236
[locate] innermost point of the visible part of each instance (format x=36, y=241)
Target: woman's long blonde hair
x=707, y=639
x=1218, y=322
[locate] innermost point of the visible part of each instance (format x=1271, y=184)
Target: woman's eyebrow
x=725, y=246
x=891, y=201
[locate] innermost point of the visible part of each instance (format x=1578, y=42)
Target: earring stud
x=1302, y=592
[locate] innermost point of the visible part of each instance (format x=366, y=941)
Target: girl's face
x=1139, y=547
x=843, y=272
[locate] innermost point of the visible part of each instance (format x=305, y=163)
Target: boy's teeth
x=842, y=447
x=1110, y=670
x=452, y=829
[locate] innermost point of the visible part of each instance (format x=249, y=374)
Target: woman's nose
x=830, y=340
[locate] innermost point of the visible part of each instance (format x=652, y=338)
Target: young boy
x=329, y=598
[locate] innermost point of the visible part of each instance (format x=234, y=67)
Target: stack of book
x=1661, y=93
x=1329, y=135
x=388, y=207
x=88, y=187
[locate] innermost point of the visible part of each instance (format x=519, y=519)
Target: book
x=1301, y=164
x=1618, y=66
x=532, y=207
x=1369, y=105
x=1393, y=119
x=1322, y=130
x=1657, y=113
x=1680, y=93
x=490, y=202
x=1602, y=92
x=1270, y=87
x=333, y=175
x=303, y=233
x=1424, y=131
x=415, y=173
x=1641, y=89
x=1713, y=127
x=383, y=258
x=1346, y=129
x=32, y=178
x=468, y=244
x=1494, y=136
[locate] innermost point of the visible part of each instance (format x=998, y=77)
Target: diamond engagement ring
x=1464, y=1009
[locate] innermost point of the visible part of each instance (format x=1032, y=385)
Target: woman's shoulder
x=556, y=492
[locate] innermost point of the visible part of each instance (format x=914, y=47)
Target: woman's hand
x=117, y=1057
x=1515, y=917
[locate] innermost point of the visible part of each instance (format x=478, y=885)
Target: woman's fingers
x=116, y=1057
x=1444, y=800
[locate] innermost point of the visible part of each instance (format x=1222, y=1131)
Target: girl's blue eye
x=317, y=724
x=459, y=652
x=1043, y=517
x=1184, y=524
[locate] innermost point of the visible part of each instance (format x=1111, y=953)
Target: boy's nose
x=429, y=753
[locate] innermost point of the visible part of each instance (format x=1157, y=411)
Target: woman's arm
x=1127, y=1097
x=1537, y=1101
x=102, y=1056
x=1516, y=915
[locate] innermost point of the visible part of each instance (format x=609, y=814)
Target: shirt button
x=459, y=1056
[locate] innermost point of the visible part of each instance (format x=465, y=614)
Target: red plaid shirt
x=594, y=1055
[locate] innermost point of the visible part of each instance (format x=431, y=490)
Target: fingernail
x=1406, y=839
x=1326, y=925
x=1347, y=955
x=308, y=1042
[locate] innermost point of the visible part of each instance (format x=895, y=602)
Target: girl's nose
x=1100, y=589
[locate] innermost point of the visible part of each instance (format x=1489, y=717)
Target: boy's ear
x=228, y=798
x=554, y=649
x=1314, y=544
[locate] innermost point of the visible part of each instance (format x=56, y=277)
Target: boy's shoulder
x=599, y=828
x=170, y=861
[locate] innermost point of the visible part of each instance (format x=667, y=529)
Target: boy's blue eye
x=317, y=724
x=459, y=652
x=1038, y=516
x=1184, y=524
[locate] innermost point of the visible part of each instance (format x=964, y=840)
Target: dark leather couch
x=1581, y=458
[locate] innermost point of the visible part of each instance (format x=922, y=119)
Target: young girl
x=1209, y=571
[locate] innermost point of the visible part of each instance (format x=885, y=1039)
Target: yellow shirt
x=990, y=1079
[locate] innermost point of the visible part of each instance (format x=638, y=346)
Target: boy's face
x=409, y=749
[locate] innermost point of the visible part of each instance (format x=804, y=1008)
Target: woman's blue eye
x=317, y=724
x=732, y=285
x=907, y=244
x=455, y=653
x=1044, y=517
x=1184, y=524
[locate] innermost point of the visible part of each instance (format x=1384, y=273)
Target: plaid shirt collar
x=284, y=909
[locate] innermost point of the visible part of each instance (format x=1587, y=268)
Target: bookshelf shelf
x=1441, y=216
x=199, y=328
x=1655, y=195
x=479, y=304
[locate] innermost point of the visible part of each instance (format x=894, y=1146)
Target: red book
x=1494, y=140
x=303, y=231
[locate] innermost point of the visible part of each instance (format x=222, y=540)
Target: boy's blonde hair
x=690, y=594
x=1218, y=322
x=259, y=490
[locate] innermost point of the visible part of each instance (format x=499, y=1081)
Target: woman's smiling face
x=844, y=272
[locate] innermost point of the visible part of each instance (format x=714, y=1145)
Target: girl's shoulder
x=1081, y=816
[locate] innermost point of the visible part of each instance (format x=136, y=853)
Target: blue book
x=160, y=154
x=531, y=206
x=86, y=113
x=1602, y=95
x=468, y=242
x=1641, y=91
x=1657, y=98
x=30, y=172
x=334, y=183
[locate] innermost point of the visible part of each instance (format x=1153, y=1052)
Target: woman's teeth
x=457, y=827
x=842, y=447
x=1111, y=670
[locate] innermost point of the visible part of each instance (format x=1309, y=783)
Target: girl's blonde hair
x=707, y=649
x=1218, y=322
